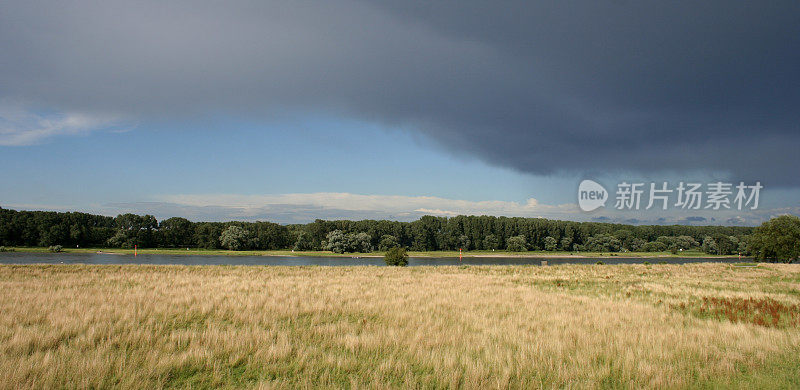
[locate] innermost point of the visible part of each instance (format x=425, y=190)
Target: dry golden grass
x=419, y=327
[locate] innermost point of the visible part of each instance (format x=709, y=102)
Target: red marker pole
x=134, y=249
x=459, y=255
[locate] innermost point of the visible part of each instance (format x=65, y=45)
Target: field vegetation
x=587, y=326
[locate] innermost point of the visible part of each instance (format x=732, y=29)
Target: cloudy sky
x=290, y=111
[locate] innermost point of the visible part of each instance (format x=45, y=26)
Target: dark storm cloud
x=540, y=87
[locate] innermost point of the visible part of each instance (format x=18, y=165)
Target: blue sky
x=229, y=156
x=132, y=163
x=368, y=109
x=143, y=168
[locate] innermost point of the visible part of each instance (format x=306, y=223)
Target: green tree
x=31, y=228
x=517, y=244
x=686, y=242
x=55, y=234
x=744, y=245
x=234, y=238
x=726, y=246
x=709, y=245
x=396, y=256
x=603, y=243
x=463, y=242
x=336, y=242
x=668, y=241
x=303, y=242
x=339, y=242
x=133, y=230
x=268, y=235
x=566, y=243
x=491, y=242
x=176, y=232
x=625, y=238
x=550, y=243
x=121, y=240
x=729, y=245
x=359, y=242
x=388, y=242
x=636, y=244
x=777, y=239
x=206, y=234
x=653, y=246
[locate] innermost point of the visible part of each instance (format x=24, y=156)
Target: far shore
x=450, y=254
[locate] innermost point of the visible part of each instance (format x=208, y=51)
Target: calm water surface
x=107, y=258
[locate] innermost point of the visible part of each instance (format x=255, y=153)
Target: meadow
x=576, y=326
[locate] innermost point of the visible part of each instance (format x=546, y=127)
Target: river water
x=108, y=258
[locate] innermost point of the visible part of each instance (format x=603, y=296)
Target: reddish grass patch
x=763, y=312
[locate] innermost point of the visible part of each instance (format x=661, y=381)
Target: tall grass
x=475, y=327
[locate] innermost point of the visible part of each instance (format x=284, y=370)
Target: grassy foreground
x=627, y=326
x=287, y=252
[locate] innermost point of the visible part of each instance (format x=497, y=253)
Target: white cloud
x=385, y=206
x=439, y=212
x=20, y=126
x=304, y=208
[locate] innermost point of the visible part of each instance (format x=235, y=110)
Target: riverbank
x=452, y=254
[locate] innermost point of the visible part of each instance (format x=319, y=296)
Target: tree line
x=429, y=233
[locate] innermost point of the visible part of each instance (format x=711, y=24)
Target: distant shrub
x=55, y=248
x=646, y=263
x=600, y=263
x=396, y=256
x=4, y=249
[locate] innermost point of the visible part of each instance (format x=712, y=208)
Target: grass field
x=286, y=252
x=592, y=326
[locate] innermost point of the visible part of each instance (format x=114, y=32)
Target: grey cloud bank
x=306, y=207
x=539, y=87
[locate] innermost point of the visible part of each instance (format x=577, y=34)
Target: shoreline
x=440, y=254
